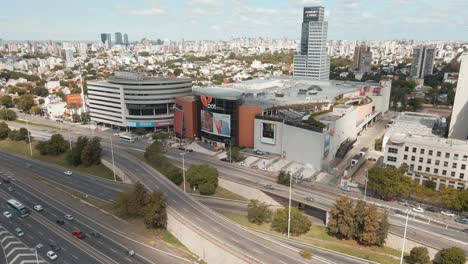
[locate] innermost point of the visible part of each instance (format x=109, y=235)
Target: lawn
x=22, y=148
x=36, y=124
x=318, y=236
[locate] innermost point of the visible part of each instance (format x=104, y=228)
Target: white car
x=38, y=208
x=67, y=172
x=345, y=188
x=7, y=214
x=69, y=217
x=447, y=213
x=51, y=255
x=263, y=169
x=418, y=209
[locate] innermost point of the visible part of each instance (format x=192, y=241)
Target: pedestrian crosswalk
x=15, y=252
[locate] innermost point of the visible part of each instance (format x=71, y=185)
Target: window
x=393, y=150
x=428, y=169
x=463, y=166
x=421, y=151
x=414, y=150
x=436, y=171
x=430, y=152
x=445, y=163
x=439, y=153
x=405, y=157
x=447, y=155
x=429, y=161
x=413, y=158
x=406, y=148
x=462, y=176
x=421, y=159
x=391, y=159
x=455, y=156
x=465, y=157
x=444, y=172
x=454, y=165
x=419, y=168
x=437, y=162
x=452, y=174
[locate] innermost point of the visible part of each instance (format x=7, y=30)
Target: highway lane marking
x=75, y=257
x=235, y=240
x=100, y=243
x=185, y=209
x=129, y=260
x=215, y=229
x=258, y=251
x=54, y=215
x=113, y=250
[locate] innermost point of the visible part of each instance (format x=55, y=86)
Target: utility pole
x=289, y=208
x=404, y=237
x=112, y=154
x=183, y=166
x=29, y=137
x=69, y=139
x=365, y=188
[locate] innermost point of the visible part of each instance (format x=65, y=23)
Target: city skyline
x=233, y=18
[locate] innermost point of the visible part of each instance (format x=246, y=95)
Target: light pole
x=183, y=166
x=69, y=139
x=289, y=208
x=230, y=152
x=365, y=188
x=404, y=237
x=35, y=251
x=29, y=137
x=112, y=154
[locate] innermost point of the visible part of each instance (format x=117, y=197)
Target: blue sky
x=222, y=19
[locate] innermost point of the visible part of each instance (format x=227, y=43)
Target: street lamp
x=365, y=188
x=404, y=237
x=112, y=154
x=289, y=208
x=183, y=166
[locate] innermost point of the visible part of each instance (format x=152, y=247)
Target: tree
x=138, y=199
x=5, y=100
x=41, y=101
x=76, y=118
x=204, y=177
x=4, y=130
x=177, y=72
x=463, y=196
x=155, y=215
x=25, y=102
x=450, y=199
x=85, y=117
x=140, y=131
x=453, y=255
x=283, y=178
x=7, y=114
x=35, y=110
x=54, y=146
x=175, y=174
x=154, y=153
x=419, y=255
x=258, y=212
x=370, y=234
x=300, y=224
x=430, y=184
x=389, y=181
x=91, y=153
x=23, y=134
x=384, y=226
x=236, y=155
x=341, y=223
x=41, y=91
x=74, y=156
x=360, y=214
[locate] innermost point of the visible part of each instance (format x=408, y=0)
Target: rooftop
x=414, y=124
x=430, y=142
x=218, y=92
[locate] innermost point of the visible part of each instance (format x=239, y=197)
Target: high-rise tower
x=118, y=38
x=362, y=59
x=423, y=61
x=312, y=60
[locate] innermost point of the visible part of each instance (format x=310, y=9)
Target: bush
x=258, y=212
x=141, y=131
x=300, y=224
x=154, y=156
x=204, y=177
x=284, y=178
x=56, y=145
x=418, y=255
x=4, y=130
x=306, y=253
x=453, y=255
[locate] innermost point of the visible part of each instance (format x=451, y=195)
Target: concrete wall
x=248, y=192
x=122, y=175
x=341, y=129
x=395, y=242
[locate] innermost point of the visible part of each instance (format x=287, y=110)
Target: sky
x=223, y=19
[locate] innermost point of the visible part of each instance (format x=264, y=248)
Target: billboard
x=74, y=99
x=268, y=133
x=216, y=124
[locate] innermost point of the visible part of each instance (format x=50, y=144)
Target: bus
x=17, y=208
x=127, y=138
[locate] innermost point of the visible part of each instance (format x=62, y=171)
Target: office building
x=83, y=48
x=106, y=39
x=133, y=100
x=312, y=61
x=459, y=119
x=68, y=53
x=415, y=140
x=423, y=61
x=118, y=38
x=125, y=39
x=362, y=59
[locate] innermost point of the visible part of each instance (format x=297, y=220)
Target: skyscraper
x=459, y=120
x=125, y=40
x=312, y=60
x=118, y=38
x=423, y=61
x=68, y=52
x=362, y=59
x=106, y=39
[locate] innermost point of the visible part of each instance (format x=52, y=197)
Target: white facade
x=459, y=120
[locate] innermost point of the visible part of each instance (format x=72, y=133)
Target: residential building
x=312, y=60
x=459, y=119
x=125, y=39
x=132, y=100
x=423, y=61
x=362, y=59
x=118, y=38
x=68, y=52
x=414, y=140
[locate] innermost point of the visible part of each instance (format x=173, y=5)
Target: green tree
x=41, y=91
x=453, y=255
x=177, y=72
x=85, y=117
x=258, y=212
x=236, y=154
x=283, y=178
x=450, y=199
x=76, y=118
x=35, y=110
x=4, y=130
x=5, y=100
x=463, y=196
x=56, y=145
x=13, y=135
x=430, y=184
x=7, y=114
x=370, y=232
x=418, y=255
x=23, y=134
x=389, y=181
x=341, y=223
x=204, y=177
x=122, y=204
x=154, y=153
x=360, y=214
x=175, y=174
x=155, y=215
x=384, y=226
x=300, y=224
x=41, y=101
x=91, y=153
x=141, y=131
x=25, y=102
x=74, y=156
x=138, y=200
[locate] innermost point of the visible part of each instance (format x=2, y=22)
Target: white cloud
x=302, y=3
x=211, y=3
x=146, y=12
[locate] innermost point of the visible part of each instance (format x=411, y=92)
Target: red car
x=78, y=234
x=377, y=196
x=389, y=199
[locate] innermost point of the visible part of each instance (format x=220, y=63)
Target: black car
x=433, y=209
x=54, y=246
x=224, y=159
x=60, y=222
x=6, y=180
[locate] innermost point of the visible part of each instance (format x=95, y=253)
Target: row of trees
x=140, y=203
x=85, y=151
x=55, y=146
x=12, y=134
x=420, y=255
x=362, y=222
x=260, y=213
x=154, y=155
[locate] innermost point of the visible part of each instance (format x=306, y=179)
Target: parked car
x=263, y=169
x=67, y=172
x=10, y=189
x=69, y=217
x=78, y=234
x=28, y=164
x=95, y=234
x=465, y=230
x=377, y=196
x=447, y=213
x=19, y=232
x=433, y=209
x=403, y=202
x=389, y=199
x=7, y=214
x=462, y=220
x=258, y=152
x=51, y=255
x=38, y=208
x=225, y=159
x=418, y=209
x=345, y=188
x=54, y=246
x=268, y=186
x=309, y=199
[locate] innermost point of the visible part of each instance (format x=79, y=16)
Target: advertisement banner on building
x=139, y=124
x=326, y=148
x=74, y=99
x=268, y=133
x=214, y=123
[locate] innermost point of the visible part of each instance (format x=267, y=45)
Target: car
x=95, y=234
x=345, y=188
x=309, y=199
x=38, y=208
x=225, y=159
x=54, y=246
x=462, y=220
x=432, y=209
x=418, y=209
x=78, y=234
x=69, y=217
x=19, y=232
x=241, y=163
x=447, y=213
x=60, y=222
x=7, y=214
x=67, y=172
x=10, y=189
x=6, y=180
x=258, y=152
x=377, y=196
x=263, y=169
x=371, y=159
x=389, y=199
x=465, y=230
x=268, y=186
x=255, y=167
x=189, y=150
x=51, y=255
x=29, y=164
x=403, y=202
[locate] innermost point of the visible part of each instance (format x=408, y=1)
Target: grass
x=22, y=148
x=318, y=236
x=36, y=124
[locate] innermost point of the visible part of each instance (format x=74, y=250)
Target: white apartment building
x=459, y=120
x=414, y=140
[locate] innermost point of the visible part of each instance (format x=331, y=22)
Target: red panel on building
x=247, y=124
x=178, y=121
x=187, y=106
